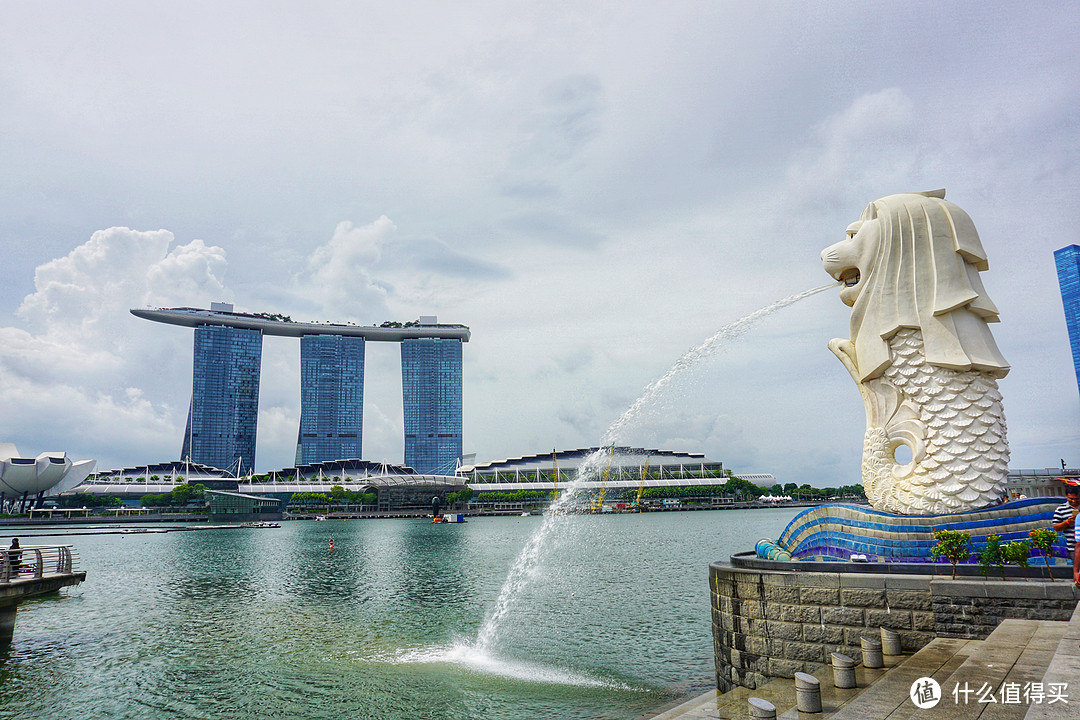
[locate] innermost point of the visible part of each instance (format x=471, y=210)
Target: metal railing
x=37, y=561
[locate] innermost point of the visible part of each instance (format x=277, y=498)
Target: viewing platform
x=1028, y=667
x=32, y=571
x=286, y=327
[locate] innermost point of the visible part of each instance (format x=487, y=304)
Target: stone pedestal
x=772, y=619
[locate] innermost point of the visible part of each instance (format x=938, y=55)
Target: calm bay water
x=271, y=623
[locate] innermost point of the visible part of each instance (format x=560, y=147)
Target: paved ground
x=1031, y=668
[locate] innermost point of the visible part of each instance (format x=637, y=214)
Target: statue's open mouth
x=850, y=277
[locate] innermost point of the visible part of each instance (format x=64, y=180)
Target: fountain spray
x=525, y=566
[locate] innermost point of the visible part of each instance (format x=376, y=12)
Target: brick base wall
x=774, y=623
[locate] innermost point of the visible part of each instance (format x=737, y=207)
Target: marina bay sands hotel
x=224, y=406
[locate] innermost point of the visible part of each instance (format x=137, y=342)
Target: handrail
x=37, y=561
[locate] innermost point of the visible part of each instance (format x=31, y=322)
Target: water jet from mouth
x=527, y=563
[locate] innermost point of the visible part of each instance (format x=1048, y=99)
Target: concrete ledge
x=770, y=620
x=750, y=560
x=27, y=587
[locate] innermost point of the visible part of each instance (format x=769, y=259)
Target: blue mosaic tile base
x=836, y=532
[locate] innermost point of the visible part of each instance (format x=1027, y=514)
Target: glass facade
x=1067, y=260
x=431, y=393
x=331, y=398
x=224, y=407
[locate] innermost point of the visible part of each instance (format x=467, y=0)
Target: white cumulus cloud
x=86, y=374
x=340, y=272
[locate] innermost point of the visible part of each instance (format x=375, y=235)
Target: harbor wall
x=772, y=619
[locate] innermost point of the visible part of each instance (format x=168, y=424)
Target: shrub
x=1043, y=541
x=1017, y=552
x=953, y=545
x=992, y=555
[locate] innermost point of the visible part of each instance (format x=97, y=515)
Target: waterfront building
x=224, y=408
x=397, y=488
x=224, y=506
x=331, y=398
x=225, y=388
x=1067, y=260
x=431, y=392
x=50, y=473
x=625, y=468
x=1039, y=482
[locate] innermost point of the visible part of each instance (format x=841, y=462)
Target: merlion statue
x=922, y=356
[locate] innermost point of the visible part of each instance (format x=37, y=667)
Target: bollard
x=807, y=693
x=871, y=653
x=843, y=671
x=890, y=642
x=762, y=709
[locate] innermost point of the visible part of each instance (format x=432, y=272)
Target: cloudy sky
x=594, y=188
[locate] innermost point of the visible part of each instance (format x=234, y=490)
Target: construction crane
x=555, y=472
x=598, y=506
x=641, y=485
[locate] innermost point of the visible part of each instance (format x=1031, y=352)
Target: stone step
x=883, y=697
x=734, y=704
x=1063, y=669
x=1017, y=651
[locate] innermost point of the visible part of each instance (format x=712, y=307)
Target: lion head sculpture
x=913, y=260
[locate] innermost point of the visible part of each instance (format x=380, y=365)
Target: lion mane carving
x=922, y=355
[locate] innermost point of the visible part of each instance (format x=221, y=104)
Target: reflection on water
x=254, y=623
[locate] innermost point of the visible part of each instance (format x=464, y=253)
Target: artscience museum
x=50, y=473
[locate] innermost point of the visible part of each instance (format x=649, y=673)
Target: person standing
x=14, y=556
x=1065, y=516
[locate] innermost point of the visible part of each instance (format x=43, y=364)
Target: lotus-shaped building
x=50, y=473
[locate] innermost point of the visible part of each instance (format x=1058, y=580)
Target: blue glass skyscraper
x=224, y=409
x=225, y=390
x=431, y=393
x=1067, y=260
x=331, y=398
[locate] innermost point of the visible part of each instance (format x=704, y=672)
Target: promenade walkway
x=1031, y=669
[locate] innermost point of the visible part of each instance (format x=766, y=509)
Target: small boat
x=526, y=514
x=320, y=517
x=450, y=518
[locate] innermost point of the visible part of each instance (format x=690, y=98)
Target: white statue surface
x=922, y=355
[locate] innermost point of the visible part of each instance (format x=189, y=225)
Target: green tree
x=1043, y=541
x=79, y=500
x=1018, y=552
x=992, y=555
x=953, y=545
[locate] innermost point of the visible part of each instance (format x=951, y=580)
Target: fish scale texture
x=957, y=417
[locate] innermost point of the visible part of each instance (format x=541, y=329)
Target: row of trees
x=180, y=496
x=956, y=547
x=736, y=488
x=81, y=500
x=515, y=496
x=337, y=496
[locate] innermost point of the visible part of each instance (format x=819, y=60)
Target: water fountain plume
x=697, y=354
x=526, y=565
